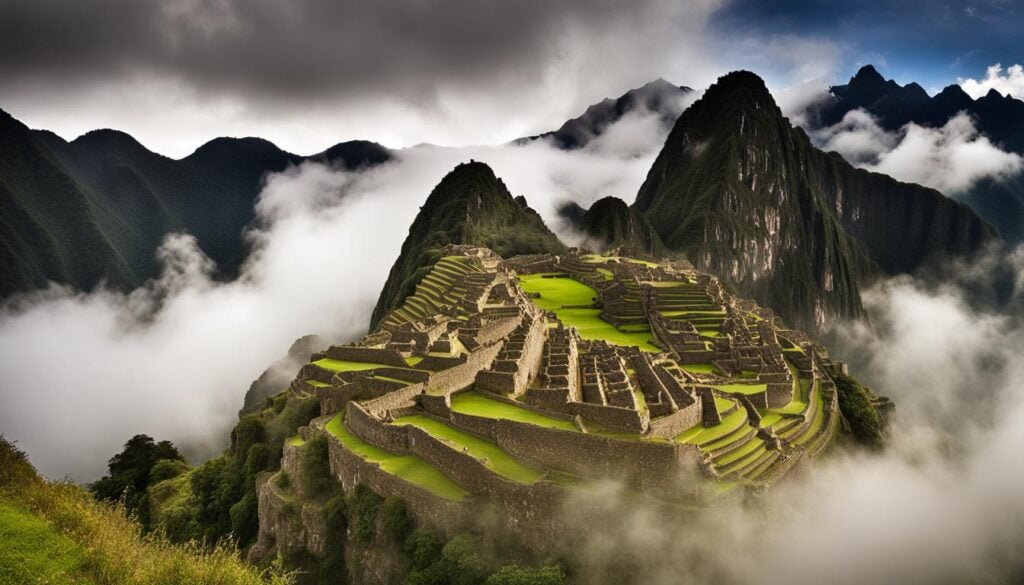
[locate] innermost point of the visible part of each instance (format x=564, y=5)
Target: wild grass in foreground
x=57, y=533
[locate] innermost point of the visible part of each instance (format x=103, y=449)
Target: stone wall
x=286, y=525
x=669, y=426
x=428, y=510
x=375, y=431
x=612, y=417
x=365, y=354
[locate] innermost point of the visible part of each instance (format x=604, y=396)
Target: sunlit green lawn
x=476, y=404
x=409, y=467
x=490, y=454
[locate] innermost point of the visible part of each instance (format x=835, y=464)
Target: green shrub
x=855, y=404
x=363, y=505
x=129, y=473
x=332, y=567
x=397, y=521
x=516, y=575
x=422, y=548
x=316, y=468
x=167, y=469
x=247, y=432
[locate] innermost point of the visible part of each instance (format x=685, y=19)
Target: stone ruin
x=730, y=400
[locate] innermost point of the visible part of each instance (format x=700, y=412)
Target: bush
x=397, y=521
x=130, y=472
x=332, y=567
x=855, y=404
x=516, y=575
x=363, y=505
x=316, y=468
x=167, y=469
x=422, y=548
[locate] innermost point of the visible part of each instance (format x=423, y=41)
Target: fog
x=174, y=358
x=943, y=503
x=951, y=158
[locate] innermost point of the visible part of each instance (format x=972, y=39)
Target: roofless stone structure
x=508, y=384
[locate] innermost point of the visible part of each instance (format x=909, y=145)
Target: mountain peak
x=867, y=74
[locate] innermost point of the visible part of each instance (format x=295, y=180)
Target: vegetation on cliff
x=611, y=224
x=56, y=532
x=469, y=206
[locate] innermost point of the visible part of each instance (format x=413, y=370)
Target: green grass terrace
x=491, y=455
x=573, y=304
x=408, y=467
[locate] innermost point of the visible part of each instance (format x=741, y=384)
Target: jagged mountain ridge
x=1001, y=118
x=747, y=196
x=118, y=200
x=659, y=96
x=470, y=206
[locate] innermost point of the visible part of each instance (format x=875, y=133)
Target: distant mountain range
x=736, y=189
x=1001, y=118
x=97, y=208
x=658, y=97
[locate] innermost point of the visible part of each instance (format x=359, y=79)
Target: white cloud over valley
x=1008, y=81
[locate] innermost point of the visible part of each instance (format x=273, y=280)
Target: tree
x=130, y=471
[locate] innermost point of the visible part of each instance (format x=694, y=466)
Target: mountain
x=118, y=200
x=748, y=197
x=49, y=230
x=470, y=206
x=611, y=223
x=659, y=96
x=999, y=117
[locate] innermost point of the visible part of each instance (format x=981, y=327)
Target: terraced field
x=573, y=303
x=488, y=453
x=408, y=467
x=475, y=404
x=441, y=286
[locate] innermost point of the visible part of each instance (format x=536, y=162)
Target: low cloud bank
x=82, y=372
x=1009, y=83
x=942, y=505
x=952, y=158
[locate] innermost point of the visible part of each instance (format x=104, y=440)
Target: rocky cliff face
x=469, y=206
x=747, y=197
x=1000, y=118
x=733, y=189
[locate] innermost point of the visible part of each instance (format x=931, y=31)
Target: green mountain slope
x=747, y=197
x=469, y=206
x=118, y=200
x=610, y=223
x=48, y=228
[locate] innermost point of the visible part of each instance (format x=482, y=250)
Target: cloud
x=173, y=359
x=941, y=505
x=951, y=158
x=1011, y=83
x=307, y=74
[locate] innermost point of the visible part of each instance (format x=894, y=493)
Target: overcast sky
x=307, y=74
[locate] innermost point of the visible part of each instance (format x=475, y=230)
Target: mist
x=951, y=158
x=174, y=358
x=942, y=504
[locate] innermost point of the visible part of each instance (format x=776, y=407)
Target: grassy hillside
x=99, y=206
x=56, y=533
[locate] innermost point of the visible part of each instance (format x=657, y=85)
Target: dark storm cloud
x=299, y=47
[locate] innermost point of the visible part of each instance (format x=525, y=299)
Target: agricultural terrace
x=573, y=303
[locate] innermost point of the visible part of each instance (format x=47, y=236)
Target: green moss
x=488, y=453
x=742, y=388
x=475, y=404
x=408, y=467
x=346, y=366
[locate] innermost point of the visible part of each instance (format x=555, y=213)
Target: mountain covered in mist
x=470, y=206
x=98, y=207
x=658, y=97
x=611, y=223
x=999, y=117
x=746, y=196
